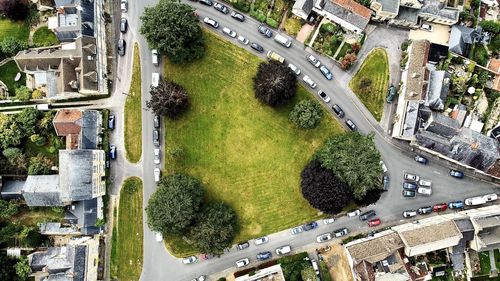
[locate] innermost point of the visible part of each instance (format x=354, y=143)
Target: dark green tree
x=174, y=205
x=7, y=209
x=9, y=46
x=306, y=114
x=215, y=228
x=37, y=139
x=490, y=26
x=22, y=267
x=15, y=157
x=7, y=270
x=27, y=120
x=9, y=131
x=274, y=84
x=168, y=99
x=354, y=159
x=40, y=165
x=8, y=233
x=173, y=29
x=14, y=9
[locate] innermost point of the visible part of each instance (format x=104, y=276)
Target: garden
x=329, y=38
x=270, y=12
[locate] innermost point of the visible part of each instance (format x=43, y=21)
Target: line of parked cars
x=413, y=184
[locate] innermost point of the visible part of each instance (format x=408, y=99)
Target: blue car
x=409, y=186
x=112, y=151
x=310, y=226
x=456, y=205
x=457, y=174
x=264, y=256
x=326, y=72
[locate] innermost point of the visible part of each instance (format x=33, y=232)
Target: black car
x=206, y=2
x=421, y=159
x=367, y=215
x=156, y=138
x=409, y=193
x=265, y=31
x=351, y=125
x=120, y=46
x=338, y=110
x=243, y=245
x=257, y=47
x=424, y=210
x=386, y=182
x=111, y=122
x=221, y=8
x=123, y=25
x=112, y=151
x=237, y=16
x=264, y=256
x=310, y=226
x=156, y=122
x=409, y=185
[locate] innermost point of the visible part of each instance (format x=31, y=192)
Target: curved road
x=160, y=265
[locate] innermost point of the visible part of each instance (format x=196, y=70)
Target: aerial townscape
x=249, y=140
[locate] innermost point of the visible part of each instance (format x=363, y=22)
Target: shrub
x=23, y=93
x=306, y=114
x=272, y=23
x=274, y=84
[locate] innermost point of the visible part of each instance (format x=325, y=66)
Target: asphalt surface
x=160, y=265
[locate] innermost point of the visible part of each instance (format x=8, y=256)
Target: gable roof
x=461, y=37
x=42, y=190
x=375, y=249
x=90, y=129
x=84, y=214
x=416, y=75
x=420, y=235
x=349, y=11
x=77, y=175
x=439, y=85
x=303, y=8
x=67, y=122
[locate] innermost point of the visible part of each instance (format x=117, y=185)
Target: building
x=487, y=231
x=82, y=129
x=302, y=8
x=77, y=261
x=271, y=273
x=349, y=14
x=74, y=19
x=384, y=9
x=461, y=39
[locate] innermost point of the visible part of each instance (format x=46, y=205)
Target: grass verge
x=43, y=36
x=126, y=251
x=371, y=82
x=247, y=154
x=133, y=112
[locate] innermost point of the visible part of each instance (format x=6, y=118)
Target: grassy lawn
x=371, y=82
x=43, y=36
x=247, y=154
x=10, y=28
x=484, y=260
x=34, y=215
x=126, y=252
x=8, y=72
x=292, y=26
x=133, y=112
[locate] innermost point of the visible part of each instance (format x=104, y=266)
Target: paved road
x=160, y=265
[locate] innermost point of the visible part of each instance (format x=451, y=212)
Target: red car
x=374, y=222
x=441, y=207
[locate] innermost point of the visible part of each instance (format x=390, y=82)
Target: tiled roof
x=349, y=11
x=415, y=79
x=91, y=126
x=354, y=7
x=375, y=249
x=42, y=190
x=66, y=122
x=420, y=235
x=461, y=38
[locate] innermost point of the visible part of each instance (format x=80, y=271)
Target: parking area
x=439, y=34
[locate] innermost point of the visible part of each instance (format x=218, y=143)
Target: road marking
x=436, y=172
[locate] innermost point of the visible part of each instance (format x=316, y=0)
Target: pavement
x=158, y=263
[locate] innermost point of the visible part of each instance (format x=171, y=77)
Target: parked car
x=425, y=183
x=409, y=185
x=391, y=93
x=440, y=207
x=426, y=27
x=338, y=110
x=221, y=8
x=211, y=22
x=340, y=232
x=229, y=32
x=374, y=222
x=474, y=201
x=326, y=72
x=200, y=278
x=424, y=191
x=124, y=6
x=189, y=260
x=123, y=25
x=154, y=57
x=457, y=174
x=421, y=159
x=367, y=215
x=243, y=40
x=328, y=220
x=265, y=31
x=157, y=174
x=315, y=266
x=490, y=197
x=157, y=156
x=112, y=151
x=242, y=262
x=310, y=226
x=156, y=138
x=155, y=79
x=264, y=256
x=324, y=237
x=283, y=250
x=424, y=210
x=121, y=46
x=409, y=193
x=411, y=177
x=353, y=213
x=295, y=69
x=386, y=182
x=313, y=60
x=156, y=121
x=261, y=240
x=384, y=167
x=237, y=16
x=456, y=204
x=242, y=245
x=111, y=121
x=297, y=230
x=409, y=213
x=351, y=125
x=206, y=2
x=257, y=47
x=309, y=81
x=159, y=237
x=323, y=96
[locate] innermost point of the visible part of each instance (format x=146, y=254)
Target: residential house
x=437, y=91
x=73, y=19
x=487, y=231
x=461, y=39
x=77, y=261
x=302, y=8
x=81, y=129
x=271, y=273
x=384, y=9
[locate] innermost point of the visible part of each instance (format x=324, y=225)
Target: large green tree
x=274, y=84
x=168, y=99
x=40, y=165
x=7, y=209
x=173, y=29
x=175, y=204
x=22, y=267
x=215, y=228
x=306, y=114
x=354, y=159
x=27, y=120
x=10, y=133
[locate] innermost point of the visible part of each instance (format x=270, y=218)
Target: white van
x=474, y=201
x=154, y=57
x=283, y=250
x=315, y=266
x=155, y=79
x=283, y=40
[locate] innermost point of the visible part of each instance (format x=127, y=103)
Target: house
x=302, y=8
x=81, y=129
x=274, y=273
x=437, y=91
x=384, y=9
x=487, y=231
x=461, y=39
x=349, y=14
x=74, y=18
x=77, y=261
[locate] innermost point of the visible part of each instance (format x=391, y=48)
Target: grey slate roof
x=407, y=15
x=304, y=5
x=84, y=214
x=11, y=189
x=439, y=86
x=391, y=6
x=348, y=16
x=76, y=177
x=83, y=18
x=442, y=125
x=91, y=124
x=42, y=190
x=61, y=262
x=461, y=39
x=438, y=8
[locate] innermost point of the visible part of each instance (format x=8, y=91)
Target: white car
x=328, y=220
x=323, y=96
x=490, y=197
x=354, y=213
x=313, y=60
x=424, y=191
x=384, y=167
x=157, y=174
x=425, y=183
x=242, y=262
x=309, y=81
x=201, y=278
x=229, y=32
x=283, y=250
x=159, y=237
x=157, y=156
x=324, y=237
x=189, y=260
x=211, y=22
x=295, y=69
x=154, y=57
x=409, y=213
x=411, y=177
x=261, y=240
x=297, y=230
x=243, y=40
x=124, y=6
x=340, y=232
x=155, y=79
x=426, y=27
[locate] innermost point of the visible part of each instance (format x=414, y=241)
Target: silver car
x=157, y=156
x=297, y=230
x=261, y=240
x=309, y=81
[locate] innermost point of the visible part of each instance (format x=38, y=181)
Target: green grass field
x=8, y=72
x=484, y=260
x=19, y=30
x=133, y=113
x=44, y=37
x=247, y=154
x=126, y=251
x=374, y=69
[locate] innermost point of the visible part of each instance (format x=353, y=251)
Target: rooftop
x=461, y=38
x=391, y=6
x=67, y=122
x=415, y=86
x=42, y=190
x=375, y=249
x=350, y=11
x=419, y=235
x=439, y=8
x=77, y=174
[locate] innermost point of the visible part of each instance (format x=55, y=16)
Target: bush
x=242, y=5
x=10, y=46
x=14, y=9
x=306, y=114
x=38, y=139
x=292, y=26
x=272, y=23
x=23, y=93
